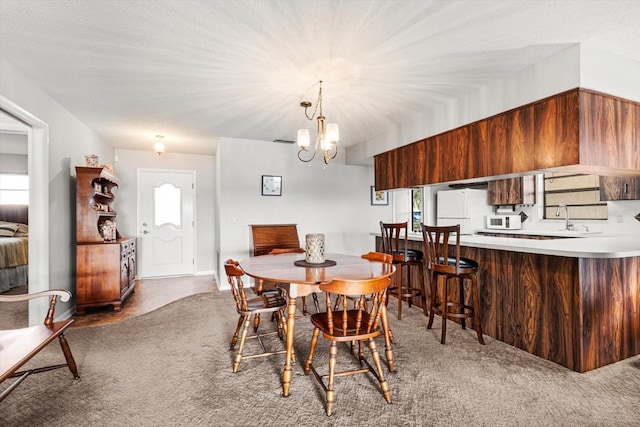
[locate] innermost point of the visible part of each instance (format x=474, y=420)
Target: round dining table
x=299, y=281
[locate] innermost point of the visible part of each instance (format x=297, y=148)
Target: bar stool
x=441, y=264
x=394, y=243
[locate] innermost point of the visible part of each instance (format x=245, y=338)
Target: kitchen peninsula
x=571, y=300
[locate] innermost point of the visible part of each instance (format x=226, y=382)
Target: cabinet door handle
x=146, y=232
x=625, y=188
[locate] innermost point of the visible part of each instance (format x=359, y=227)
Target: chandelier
x=326, y=135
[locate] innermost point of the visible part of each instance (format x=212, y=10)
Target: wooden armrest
x=64, y=295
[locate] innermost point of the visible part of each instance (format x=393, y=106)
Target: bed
x=14, y=246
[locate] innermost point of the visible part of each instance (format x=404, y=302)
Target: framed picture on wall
x=271, y=185
x=379, y=197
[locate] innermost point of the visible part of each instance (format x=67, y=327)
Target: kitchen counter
x=574, y=244
x=573, y=299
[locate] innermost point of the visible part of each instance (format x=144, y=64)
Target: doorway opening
x=38, y=170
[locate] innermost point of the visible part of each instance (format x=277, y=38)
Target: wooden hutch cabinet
x=105, y=261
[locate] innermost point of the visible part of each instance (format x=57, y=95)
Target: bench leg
x=68, y=356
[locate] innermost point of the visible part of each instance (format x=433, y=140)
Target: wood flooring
x=149, y=295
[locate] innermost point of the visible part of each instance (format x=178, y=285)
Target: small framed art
x=271, y=185
x=379, y=197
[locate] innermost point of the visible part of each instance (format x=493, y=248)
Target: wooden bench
x=18, y=346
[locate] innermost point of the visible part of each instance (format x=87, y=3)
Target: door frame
x=38, y=165
x=192, y=172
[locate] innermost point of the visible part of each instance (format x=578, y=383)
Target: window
x=416, y=209
x=408, y=207
x=14, y=189
x=580, y=193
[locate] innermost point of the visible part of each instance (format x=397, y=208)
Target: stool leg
x=433, y=283
x=444, y=310
x=476, y=308
x=463, y=320
x=410, y=283
x=399, y=290
x=423, y=290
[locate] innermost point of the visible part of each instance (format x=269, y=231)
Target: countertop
x=569, y=244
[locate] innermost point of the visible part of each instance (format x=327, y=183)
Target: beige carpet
x=172, y=367
x=16, y=314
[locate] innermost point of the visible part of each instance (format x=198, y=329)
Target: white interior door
x=165, y=222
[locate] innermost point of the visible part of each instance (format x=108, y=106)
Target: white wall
x=69, y=141
x=334, y=200
x=576, y=66
x=13, y=153
x=129, y=161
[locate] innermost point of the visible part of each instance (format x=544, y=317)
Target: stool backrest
x=394, y=239
x=442, y=255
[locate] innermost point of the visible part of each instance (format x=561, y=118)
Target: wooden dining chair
x=349, y=324
x=271, y=302
x=371, y=256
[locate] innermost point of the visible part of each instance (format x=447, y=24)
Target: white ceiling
x=197, y=70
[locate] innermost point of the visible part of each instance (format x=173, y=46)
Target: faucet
x=567, y=225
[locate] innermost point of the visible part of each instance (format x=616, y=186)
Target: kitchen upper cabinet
x=577, y=130
x=619, y=188
x=513, y=191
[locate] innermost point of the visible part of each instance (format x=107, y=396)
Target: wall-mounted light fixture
x=158, y=147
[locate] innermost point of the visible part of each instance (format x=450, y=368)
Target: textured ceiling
x=197, y=70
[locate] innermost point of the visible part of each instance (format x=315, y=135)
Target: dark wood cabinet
x=266, y=237
x=513, y=191
x=105, y=261
x=577, y=130
x=578, y=312
x=619, y=188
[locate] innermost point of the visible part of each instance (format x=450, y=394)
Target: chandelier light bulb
x=303, y=138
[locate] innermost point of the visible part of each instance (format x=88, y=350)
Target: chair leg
x=384, y=386
x=256, y=322
x=304, y=306
x=312, y=348
x=476, y=308
x=331, y=394
x=66, y=350
x=243, y=337
x=234, y=340
x=315, y=302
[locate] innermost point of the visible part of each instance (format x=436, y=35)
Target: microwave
x=504, y=222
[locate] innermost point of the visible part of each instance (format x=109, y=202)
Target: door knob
x=146, y=232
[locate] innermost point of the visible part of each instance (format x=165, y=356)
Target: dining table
x=299, y=281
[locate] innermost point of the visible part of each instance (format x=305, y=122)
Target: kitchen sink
x=541, y=235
